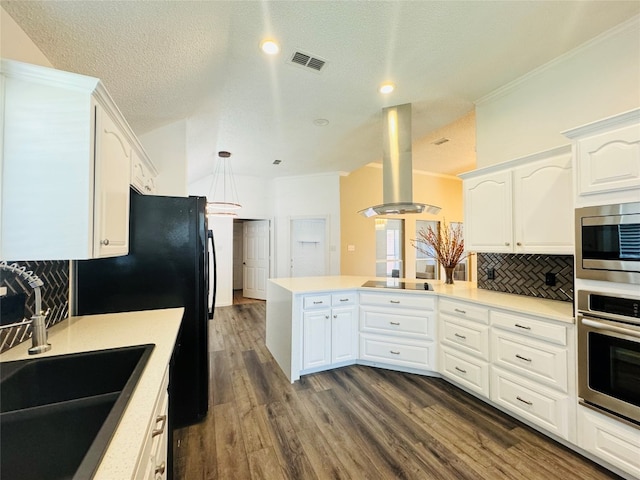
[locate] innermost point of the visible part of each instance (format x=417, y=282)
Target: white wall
x=306, y=196
x=599, y=79
x=223, y=240
x=167, y=149
x=16, y=45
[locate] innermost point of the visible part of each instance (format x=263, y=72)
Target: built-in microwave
x=608, y=243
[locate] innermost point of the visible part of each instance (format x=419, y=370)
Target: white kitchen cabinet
x=464, y=344
x=329, y=330
x=521, y=206
x=533, y=371
x=152, y=462
x=398, y=330
x=607, y=160
x=611, y=440
x=66, y=167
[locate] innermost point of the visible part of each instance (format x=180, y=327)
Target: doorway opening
x=251, y=247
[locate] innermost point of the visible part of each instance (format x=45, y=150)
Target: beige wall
x=16, y=45
x=363, y=188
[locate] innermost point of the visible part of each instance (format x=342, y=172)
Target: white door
x=255, y=259
x=308, y=247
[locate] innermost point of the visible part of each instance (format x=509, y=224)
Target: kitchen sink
x=58, y=414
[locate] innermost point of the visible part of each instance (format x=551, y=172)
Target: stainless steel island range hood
x=397, y=168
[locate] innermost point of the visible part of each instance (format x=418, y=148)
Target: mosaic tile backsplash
x=55, y=296
x=526, y=274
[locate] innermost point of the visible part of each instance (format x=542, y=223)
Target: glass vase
x=448, y=273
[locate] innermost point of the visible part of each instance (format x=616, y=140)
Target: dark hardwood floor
x=351, y=423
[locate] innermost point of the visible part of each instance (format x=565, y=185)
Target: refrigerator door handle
x=212, y=249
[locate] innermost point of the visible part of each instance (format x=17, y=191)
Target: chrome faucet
x=38, y=325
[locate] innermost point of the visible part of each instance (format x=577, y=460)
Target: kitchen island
x=284, y=336
x=123, y=458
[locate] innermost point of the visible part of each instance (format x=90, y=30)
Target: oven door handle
x=612, y=328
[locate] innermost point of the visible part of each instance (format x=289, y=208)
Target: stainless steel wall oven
x=608, y=243
x=609, y=353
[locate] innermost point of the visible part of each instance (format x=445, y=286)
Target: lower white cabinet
x=398, y=329
x=329, y=330
x=610, y=440
x=540, y=405
x=465, y=370
x=152, y=463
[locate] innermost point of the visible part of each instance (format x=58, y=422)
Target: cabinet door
x=344, y=334
x=316, y=348
x=487, y=202
x=543, y=202
x=113, y=171
x=609, y=161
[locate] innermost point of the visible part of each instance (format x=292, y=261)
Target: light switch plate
x=3, y=291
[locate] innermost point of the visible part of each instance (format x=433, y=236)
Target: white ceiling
x=163, y=61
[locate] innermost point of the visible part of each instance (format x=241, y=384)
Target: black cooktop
x=398, y=285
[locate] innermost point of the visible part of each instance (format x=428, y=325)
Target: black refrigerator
x=170, y=252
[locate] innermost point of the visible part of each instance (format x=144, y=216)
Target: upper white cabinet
x=143, y=173
x=607, y=159
x=522, y=206
x=66, y=167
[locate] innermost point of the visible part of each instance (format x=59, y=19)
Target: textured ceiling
x=163, y=61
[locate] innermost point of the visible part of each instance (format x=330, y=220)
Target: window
x=389, y=248
x=426, y=267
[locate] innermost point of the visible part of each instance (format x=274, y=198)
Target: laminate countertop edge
x=98, y=332
x=463, y=291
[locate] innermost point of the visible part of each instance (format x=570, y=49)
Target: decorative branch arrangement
x=446, y=245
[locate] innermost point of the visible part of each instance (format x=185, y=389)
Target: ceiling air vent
x=307, y=61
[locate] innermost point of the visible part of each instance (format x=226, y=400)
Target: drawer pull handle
x=394, y=323
x=160, y=469
x=394, y=352
x=162, y=420
x=464, y=312
x=524, y=327
x=523, y=358
x=460, y=336
x=318, y=303
x=524, y=401
x=394, y=301
x=344, y=299
x=460, y=370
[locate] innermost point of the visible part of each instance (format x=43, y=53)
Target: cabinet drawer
x=345, y=298
x=530, y=327
x=534, y=402
x=468, y=371
x=469, y=337
x=537, y=360
x=316, y=301
x=610, y=440
x=407, y=300
x=409, y=354
x=464, y=310
x=397, y=322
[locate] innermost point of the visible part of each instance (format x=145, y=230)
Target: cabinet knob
x=519, y=244
x=326, y=316
x=506, y=244
x=162, y=420
x=335, y=316
x=160, y=469
x=105, y=242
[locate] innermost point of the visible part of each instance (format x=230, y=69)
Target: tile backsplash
x=55, y=296
x=526, y=274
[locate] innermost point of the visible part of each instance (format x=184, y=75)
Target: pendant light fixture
x=224, y=195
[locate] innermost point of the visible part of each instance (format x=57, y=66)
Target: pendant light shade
x=223, y=193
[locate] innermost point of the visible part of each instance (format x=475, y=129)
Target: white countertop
x=466, y=291
x=97, y=332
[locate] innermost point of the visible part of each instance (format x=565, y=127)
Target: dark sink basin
x=58, y=414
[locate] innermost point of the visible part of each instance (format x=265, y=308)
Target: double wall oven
x=609, y=354
x=608, y=250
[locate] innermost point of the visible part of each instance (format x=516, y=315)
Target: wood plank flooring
x=351, y=423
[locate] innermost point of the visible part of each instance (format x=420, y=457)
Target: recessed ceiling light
x=270, y=47
x=321, y=122
x=387, y=88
